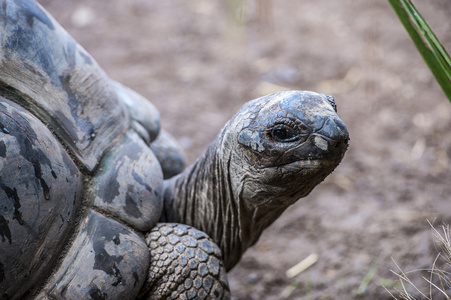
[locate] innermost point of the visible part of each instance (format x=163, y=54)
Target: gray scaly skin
x=275, y=150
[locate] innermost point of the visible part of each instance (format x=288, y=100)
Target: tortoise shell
x=78, y=179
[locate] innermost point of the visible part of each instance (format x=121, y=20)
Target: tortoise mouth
x=306, y=164
x=301, y=167
x=299, y=174
x=309, y=163
x=298, y=177
x=321, y=162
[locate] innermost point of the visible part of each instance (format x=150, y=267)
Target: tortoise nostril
x=340, y=143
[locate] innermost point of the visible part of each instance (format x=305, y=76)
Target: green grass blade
x=426, y=42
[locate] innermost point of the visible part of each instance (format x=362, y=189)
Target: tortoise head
x=275, y=150
x=288, y=143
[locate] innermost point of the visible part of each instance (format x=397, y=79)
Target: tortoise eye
x=283, y=133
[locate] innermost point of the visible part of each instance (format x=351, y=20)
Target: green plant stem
x=426, y=42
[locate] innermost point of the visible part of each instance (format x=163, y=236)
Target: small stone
x=252, y=278
x=83, y=16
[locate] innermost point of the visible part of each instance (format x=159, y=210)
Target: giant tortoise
x=85, y=212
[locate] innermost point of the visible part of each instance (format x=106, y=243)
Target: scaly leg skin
x=185, y=264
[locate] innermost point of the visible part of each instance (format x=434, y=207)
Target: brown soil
x=199, y=61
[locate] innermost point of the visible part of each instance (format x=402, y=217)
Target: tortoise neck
x=202, y=197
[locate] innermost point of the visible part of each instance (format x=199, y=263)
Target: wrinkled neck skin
x=221, y=196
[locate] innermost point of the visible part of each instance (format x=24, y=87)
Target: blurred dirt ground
x=199, y=61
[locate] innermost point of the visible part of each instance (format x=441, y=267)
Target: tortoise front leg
x=185, y=264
